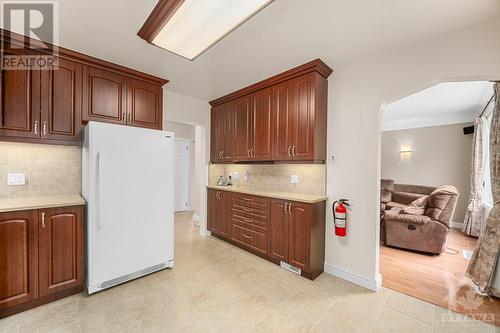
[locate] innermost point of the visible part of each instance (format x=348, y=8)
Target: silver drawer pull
x=247, y=209
x=246, y=236
x=247, y=199
x=246, y=220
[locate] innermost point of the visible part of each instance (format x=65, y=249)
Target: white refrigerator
x=128, y=184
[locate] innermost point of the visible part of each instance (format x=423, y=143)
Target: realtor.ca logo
x=31, y=35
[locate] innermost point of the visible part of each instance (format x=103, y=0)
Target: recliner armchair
x=426, y=232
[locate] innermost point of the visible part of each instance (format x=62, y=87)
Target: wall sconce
x=405, y=151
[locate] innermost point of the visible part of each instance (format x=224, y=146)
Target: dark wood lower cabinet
x=219, y=212
x=41, y=257
x=277, y=230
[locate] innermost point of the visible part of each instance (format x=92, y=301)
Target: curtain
x=484, y=260
x=473, y=216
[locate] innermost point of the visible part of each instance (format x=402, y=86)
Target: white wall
x=357, y=94
x=184, y=131
x=440, y=155
x=183, y=109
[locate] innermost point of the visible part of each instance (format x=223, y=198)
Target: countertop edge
x=270, y=194
x=24, y=204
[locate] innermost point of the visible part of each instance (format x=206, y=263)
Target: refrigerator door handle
x=98, y=191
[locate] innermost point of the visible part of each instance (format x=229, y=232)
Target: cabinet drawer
x=252, y=239
x=257, y=214
x=246, y=221
x=251, y=201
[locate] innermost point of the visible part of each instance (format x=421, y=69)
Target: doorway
x=426, y=146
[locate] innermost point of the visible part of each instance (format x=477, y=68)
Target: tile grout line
x=322, y=316
x=78, y=316
x=411, y=316
x=276, y=309
x=379, y=313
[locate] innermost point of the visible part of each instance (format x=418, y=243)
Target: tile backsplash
x=49, y=169
x=274, y=177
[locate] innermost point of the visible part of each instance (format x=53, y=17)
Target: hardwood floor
x=438, y=279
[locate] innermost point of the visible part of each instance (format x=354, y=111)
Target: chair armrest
x=406, y=218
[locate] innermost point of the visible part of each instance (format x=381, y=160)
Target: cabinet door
x=226, y=131
x=279, y=231
x=105, y=96
x=242, y=128
x=212, y=210
x=303, y=115
x=61, y=100
x=215, y=133
x=224, y=213
x=19, y=102
x=299, y=234
x=262, y=126
x=18, y=258
x=283, y=122
x=60, y=249
x=145, y=105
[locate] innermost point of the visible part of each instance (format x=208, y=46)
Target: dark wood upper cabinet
x=19, y=258
x=105, y=96
x=61, y=102
x=19, y=102
x=145, y=104
x=283, y=122
x=60, y=249
x=243, y=122
x=48, y=105
x=262, y=126
x=283, y=118
x=222, y=132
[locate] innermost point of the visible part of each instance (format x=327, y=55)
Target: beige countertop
x=17, y=204
x=306, y=198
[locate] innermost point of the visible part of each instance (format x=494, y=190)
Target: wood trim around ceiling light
x=157, y=19
x=312, y=66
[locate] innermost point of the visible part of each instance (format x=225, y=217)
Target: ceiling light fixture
x=190, y=27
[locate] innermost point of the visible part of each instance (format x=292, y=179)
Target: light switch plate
x=16, y=179
x=236, y=175
x=294, y=179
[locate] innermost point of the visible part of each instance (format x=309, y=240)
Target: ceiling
x=285, y=34
x=442, y=104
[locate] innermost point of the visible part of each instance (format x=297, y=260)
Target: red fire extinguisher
x=340, y=216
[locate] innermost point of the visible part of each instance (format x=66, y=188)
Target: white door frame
x=187, y=185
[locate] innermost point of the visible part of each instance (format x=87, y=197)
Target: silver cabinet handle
x=251, y=153
x=289, y=208
x=130, y=117
x=293, y=150
x=289, y=149
x=43, y=219
x=44, y=128
x=246, y=236
x=248, y=153
x=124, y=116
x=222, y=154
x=36, y=127
x=286, y=204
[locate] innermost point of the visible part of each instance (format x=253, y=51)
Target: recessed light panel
x=196, y=25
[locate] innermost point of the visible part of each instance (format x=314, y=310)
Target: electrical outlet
x=294, y=179
x=236, y=175
x=16, y=179
x=245, y=175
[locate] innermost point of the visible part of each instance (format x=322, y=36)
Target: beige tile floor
x=216, y=287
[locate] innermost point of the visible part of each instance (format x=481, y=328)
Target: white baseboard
x=354, y=278
x=196, y=218
x=456, y=225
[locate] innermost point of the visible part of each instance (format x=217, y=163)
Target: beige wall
x=274, y=177
x=49, y=169
x=440, y=155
